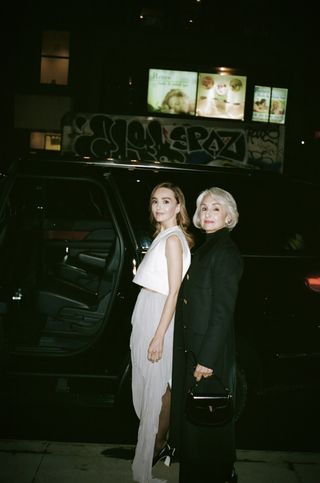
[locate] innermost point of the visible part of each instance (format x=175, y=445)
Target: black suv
x=72, y=233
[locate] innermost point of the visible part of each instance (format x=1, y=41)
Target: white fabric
x=152, y=272
x=150, y=380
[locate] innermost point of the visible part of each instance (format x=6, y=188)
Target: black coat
x=204, y=327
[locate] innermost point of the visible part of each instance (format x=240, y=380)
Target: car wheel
x=249, y=375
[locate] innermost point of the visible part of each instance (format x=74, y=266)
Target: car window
x=78, y=199
x=135, y=190
x=275, y=212
x=278, y=218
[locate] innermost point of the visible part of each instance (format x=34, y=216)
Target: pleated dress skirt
x=149, y=380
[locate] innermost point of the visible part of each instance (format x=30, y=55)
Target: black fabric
x=209, y=408
x=204, y=326
x=191, y=472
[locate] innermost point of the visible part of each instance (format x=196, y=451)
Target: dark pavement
x=25, y=461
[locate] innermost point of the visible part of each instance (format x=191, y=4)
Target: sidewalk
x=54, y=462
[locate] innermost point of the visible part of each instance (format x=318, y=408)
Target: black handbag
x=207, y=408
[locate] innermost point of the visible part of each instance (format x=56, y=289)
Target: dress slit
x=149, y=380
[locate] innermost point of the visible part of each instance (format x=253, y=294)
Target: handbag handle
x=196, y=384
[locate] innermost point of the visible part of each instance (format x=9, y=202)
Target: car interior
x=60, y=264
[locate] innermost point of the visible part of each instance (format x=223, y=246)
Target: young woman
x=204, y=344
x=159, y=274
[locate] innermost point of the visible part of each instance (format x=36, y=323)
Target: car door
x=61, y=255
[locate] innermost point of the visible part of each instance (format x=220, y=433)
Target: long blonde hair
x=183, y=220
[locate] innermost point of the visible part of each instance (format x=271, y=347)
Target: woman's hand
x=155, y=349
x=202, y=371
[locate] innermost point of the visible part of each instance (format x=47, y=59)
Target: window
x=47, y=141
x=55, y=57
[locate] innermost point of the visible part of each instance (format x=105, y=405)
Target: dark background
x=284, y=419
x=273, y=43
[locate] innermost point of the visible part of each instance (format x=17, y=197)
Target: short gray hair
x=225, y=199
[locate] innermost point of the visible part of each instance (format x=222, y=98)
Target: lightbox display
x=172, y=91
x=269, y=104
x=221, y=96
x=278, y=105
x=261, y=103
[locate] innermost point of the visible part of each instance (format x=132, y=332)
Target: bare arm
x=175, y=266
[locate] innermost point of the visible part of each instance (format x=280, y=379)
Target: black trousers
x=204, y=472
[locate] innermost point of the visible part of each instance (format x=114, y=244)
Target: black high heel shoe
x=166, y=454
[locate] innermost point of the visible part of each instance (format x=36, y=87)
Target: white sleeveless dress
x=150, y=380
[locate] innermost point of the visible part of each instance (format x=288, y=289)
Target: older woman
x=204, y=344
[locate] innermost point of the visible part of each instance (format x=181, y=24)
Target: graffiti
x=144, y=139
x=265, y=148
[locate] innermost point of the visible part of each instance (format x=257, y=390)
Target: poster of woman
x=261, y=103
x=278, y=105
x=172, y=91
